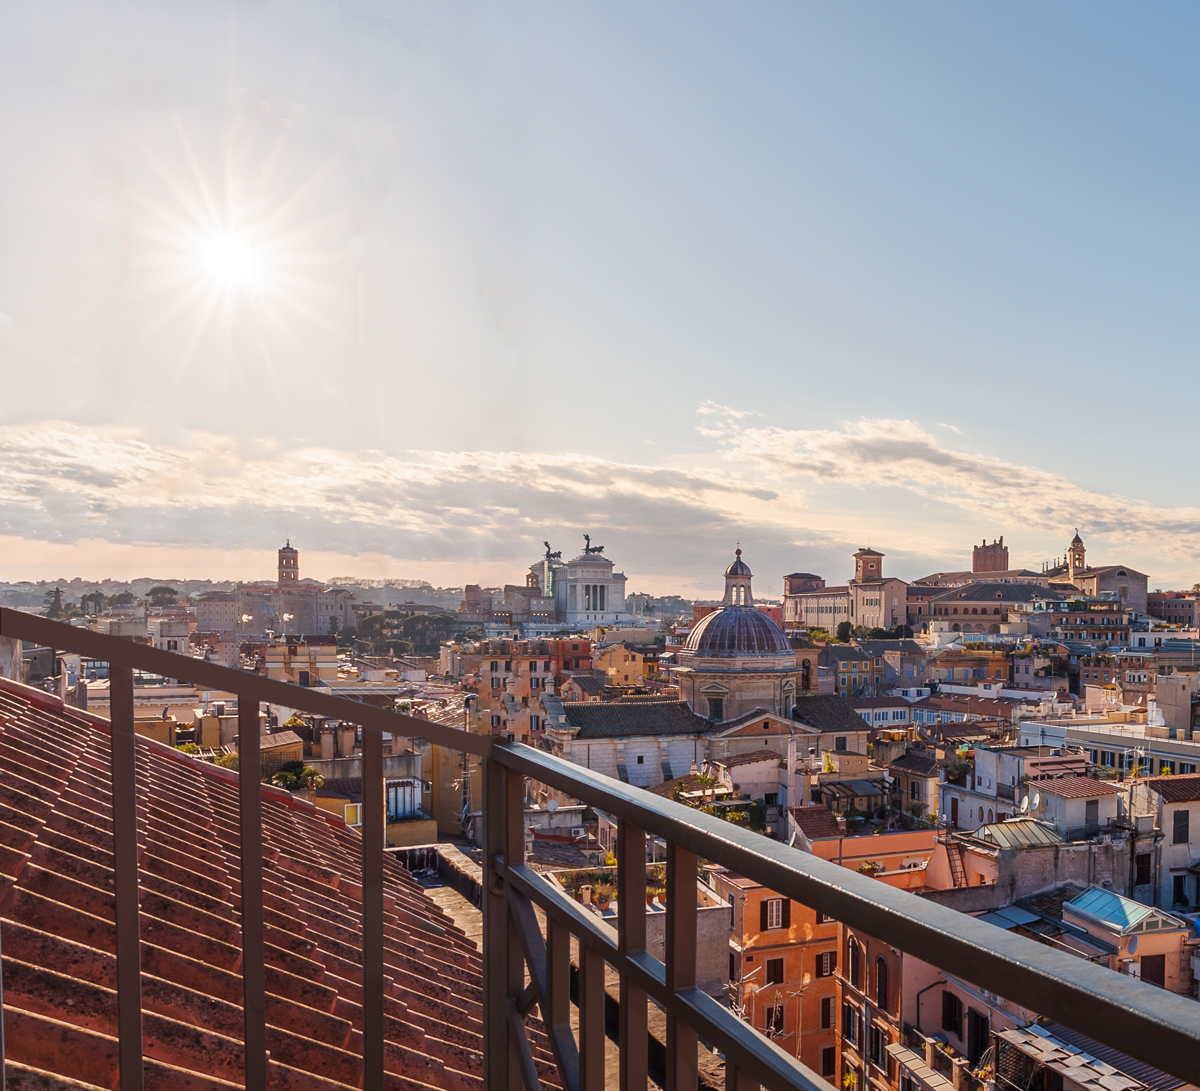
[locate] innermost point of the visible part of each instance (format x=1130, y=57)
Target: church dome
x=739, y=567
x=736, y=632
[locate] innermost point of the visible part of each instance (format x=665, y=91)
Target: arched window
x=881, y=983
x=989, y=814
x=956, y=609
x=996, y=610
x=975, y=610
x=853, y=961
x=805, y=674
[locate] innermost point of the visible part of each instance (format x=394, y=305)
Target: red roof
x=59, y=936
x=1180, y=788
x=1078, y=787
x=816, y=821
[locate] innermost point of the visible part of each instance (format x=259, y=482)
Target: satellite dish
x=552, y=805
x=1025, y=805
x=1037, y=800
x=1133, y=944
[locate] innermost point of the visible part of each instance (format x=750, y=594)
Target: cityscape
x=566, y=547
x=1018, y=745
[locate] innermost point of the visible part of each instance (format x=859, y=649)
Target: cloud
x=61, y=483
x=901, y=454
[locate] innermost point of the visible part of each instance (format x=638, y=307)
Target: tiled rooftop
x=59, y=936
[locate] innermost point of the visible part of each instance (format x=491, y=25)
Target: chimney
x=328, y=743
x=346, y=736
x=10, y=658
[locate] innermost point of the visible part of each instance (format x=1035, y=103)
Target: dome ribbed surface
x=738, y=568
x=736, y=632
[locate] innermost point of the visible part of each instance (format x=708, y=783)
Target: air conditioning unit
x=579, y=831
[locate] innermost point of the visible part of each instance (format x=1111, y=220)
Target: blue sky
x=424, y=284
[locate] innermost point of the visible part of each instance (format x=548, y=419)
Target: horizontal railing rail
x=1149, y=1024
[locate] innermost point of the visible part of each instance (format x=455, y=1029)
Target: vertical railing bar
x=254, y=986
x=123, y=742
x=682, y=1061
x=591, y=1019
x=514, y=854
x=495, y=930
x=372, y=908
x=633, y=1017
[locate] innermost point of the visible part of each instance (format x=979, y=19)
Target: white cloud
x=62, y=483
x=901, y=454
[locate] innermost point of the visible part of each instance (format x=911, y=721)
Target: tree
x=53, y=604
x=125, y=598
x=162, y=595
x=815, y=632
x=843, y=632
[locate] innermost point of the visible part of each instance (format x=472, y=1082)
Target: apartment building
x=782, y=960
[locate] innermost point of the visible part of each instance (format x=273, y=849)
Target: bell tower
x=1075, y=555
x=868, y=565
x=289, y=564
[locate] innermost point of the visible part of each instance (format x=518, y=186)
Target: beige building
x=1126, y=583
x=870, y=599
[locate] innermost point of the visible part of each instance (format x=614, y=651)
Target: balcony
x=516, y=997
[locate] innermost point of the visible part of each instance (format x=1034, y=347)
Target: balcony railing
x=1148, y=1023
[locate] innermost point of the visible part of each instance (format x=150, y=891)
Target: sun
x=231, y=261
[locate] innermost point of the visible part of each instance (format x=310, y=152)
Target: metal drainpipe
x=939, y=981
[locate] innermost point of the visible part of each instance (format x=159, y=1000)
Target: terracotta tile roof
x=1181, y=788
x=816, y=821
x=827, y=712
x=1079, y=787
x=920, y=763
x=750, y=757
x=614, y=720
x=59, y=935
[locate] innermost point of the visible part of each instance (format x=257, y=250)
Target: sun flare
x=231, y=261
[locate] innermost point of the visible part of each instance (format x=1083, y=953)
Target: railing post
x=633, y=1025
x=123, y=742
x=503, y=964
x=683, y=1067
x=254, y=988
x=374, y=820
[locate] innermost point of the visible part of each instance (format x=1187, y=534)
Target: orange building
x=781, y=970
x=868, y=1000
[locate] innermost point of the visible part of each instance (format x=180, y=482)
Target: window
x=828, y=1061
x=839, y=743
x=1187, y=767
x=952, y=1013
x=1179, y=828
x=877, y=1047
x=1179, y=890
x=850, y=1023
x=1141, y=869
x=716, y=708
x=774, y=971
x=773, y=1021
x=353, y=814
x=774, y=913
x=825, y=918
x=826, y=963
x=826, y=1012
x=771, y=798
x=853, y=960
x=881, y=983
x=496, y=682
x=641, y=759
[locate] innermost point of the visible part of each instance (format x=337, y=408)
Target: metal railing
x=1149, y=1024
